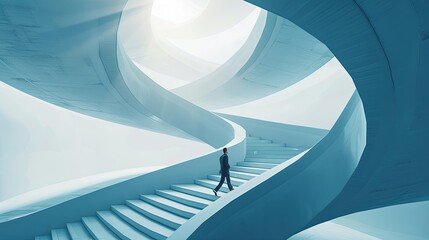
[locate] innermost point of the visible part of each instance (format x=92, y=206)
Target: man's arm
x=225, y=162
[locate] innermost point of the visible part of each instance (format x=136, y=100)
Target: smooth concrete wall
x=134, y=85
x=291, y=135
x=256, y=43
x=285, y=54
x=172, y=109
x=332, y=231
x=384, y=47
x=398, y=222
x=42, y=144
x=145, y=49
x=42, y=222
x=282, y=202
x=51, y=51
x=316, y=101
x=66, y=53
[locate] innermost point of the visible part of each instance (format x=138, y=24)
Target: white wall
x=316, y=101
x=42, y=144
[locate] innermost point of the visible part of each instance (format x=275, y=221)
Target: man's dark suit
x=224, y=171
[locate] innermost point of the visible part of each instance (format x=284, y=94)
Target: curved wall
x=66, y=54
x=179, y=54
x=73, y=210
x=42, y=144
x=282, y=202
x=169, y=107
x=316, y=101
x=383, y=45
x=404, y=221
x=285, y=54
x=52, y=53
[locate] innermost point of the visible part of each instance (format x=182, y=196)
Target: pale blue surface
x=73, y=210
x=293, y=194
x=398, y=222
x=382, y=44
x=284, y=55
x=67, y=54
x=384, y=47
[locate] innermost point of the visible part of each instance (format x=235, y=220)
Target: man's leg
x=222, y=180
x=228, y=181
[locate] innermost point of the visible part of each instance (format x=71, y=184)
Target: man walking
x=224, y=171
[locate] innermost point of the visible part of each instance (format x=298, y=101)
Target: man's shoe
x=215, y=193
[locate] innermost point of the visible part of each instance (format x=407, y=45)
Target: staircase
x=158, y=215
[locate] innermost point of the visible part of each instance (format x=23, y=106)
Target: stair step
x=44, y=237
x=184, y=198
x=262, y=144
x=253, y=137
x=265, y=160
x=257, y=165
x=197, y=190
x=171, y=206
x=212, y=184
x=60, y=234
x=78, y=231
x=268, y=147
x=252, y=140
x=120, y=227
x=242, y=175
x=280, y=151
x=286, y=149
x=275, y=156
x=157, y=214
x=234, y=181
x=142, y=223
x=97, y=229
x=248, y=169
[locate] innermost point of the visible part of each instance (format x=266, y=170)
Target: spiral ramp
x=158, y=215
x=343, y=171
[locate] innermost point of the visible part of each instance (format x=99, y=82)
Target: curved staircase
x=158, y=215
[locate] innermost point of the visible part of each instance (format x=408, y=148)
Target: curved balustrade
x=383, y=47
x=74, y=64
x=73, y=210
x=285, y=200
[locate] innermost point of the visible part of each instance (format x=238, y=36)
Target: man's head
x=225, y=150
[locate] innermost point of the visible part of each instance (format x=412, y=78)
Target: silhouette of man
x=224, y=171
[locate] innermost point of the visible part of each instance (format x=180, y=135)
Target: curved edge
x=271, y=50
x=239, y=61
x=291, y=135
x=57, y=216
x=290, y=195
x=170, y=108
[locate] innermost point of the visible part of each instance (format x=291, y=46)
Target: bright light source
x=220, y=47
x=177, y=11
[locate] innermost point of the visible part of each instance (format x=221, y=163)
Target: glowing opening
x=185, y=40
x=220, y=47
x=177, y=11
